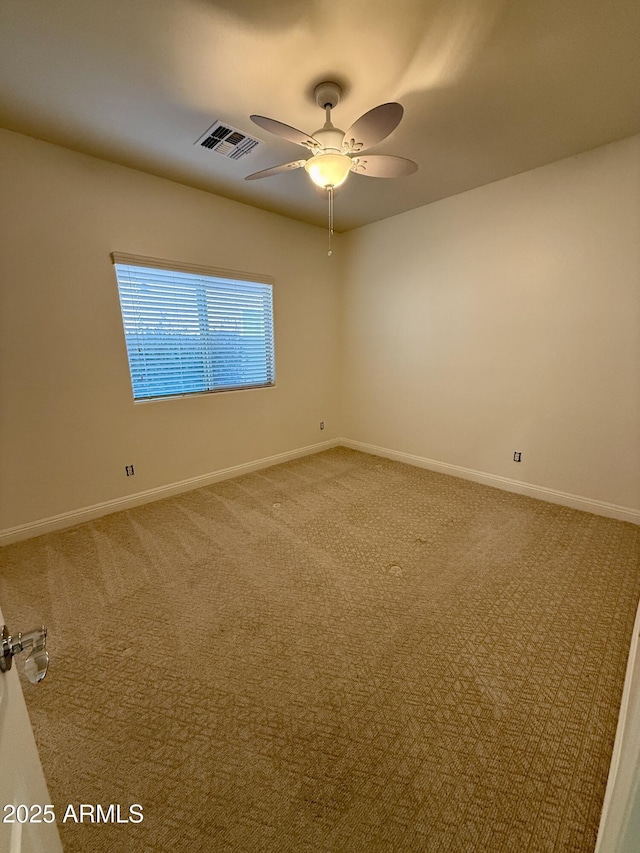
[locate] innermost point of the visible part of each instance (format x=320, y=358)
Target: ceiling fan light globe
x=328, y=170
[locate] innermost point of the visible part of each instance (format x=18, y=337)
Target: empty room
x=319, y=426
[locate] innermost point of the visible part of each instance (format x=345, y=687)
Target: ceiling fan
x=334, y=152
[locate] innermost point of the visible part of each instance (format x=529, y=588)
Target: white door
x=620, y=819
x=25, y=825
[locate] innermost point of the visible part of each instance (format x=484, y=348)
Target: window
x=192, y=329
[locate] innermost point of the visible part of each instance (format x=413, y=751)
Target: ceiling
x=490, y=88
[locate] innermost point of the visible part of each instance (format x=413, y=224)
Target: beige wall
x=68, y=425
x=506, y=318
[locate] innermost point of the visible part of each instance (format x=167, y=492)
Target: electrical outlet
x=517, y=456
x=321, y=424
x=130, y=470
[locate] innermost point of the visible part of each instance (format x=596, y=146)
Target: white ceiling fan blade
x=285, y=131
x=276, y=170
x=383, y=166
x=373, y=127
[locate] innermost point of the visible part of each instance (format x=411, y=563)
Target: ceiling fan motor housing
x=330, y=138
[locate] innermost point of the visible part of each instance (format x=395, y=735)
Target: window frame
x=224, y=276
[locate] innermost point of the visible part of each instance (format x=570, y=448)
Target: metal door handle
x=34, y=643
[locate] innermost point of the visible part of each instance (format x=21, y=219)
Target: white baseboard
x=542, y=493
x=69, y=519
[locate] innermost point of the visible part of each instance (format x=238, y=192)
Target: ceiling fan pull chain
x=330, y=191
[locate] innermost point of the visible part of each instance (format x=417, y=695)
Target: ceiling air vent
x=228, y=141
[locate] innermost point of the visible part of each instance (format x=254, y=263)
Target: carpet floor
x=341, y=654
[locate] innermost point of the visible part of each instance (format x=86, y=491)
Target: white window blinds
x=190, y=329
